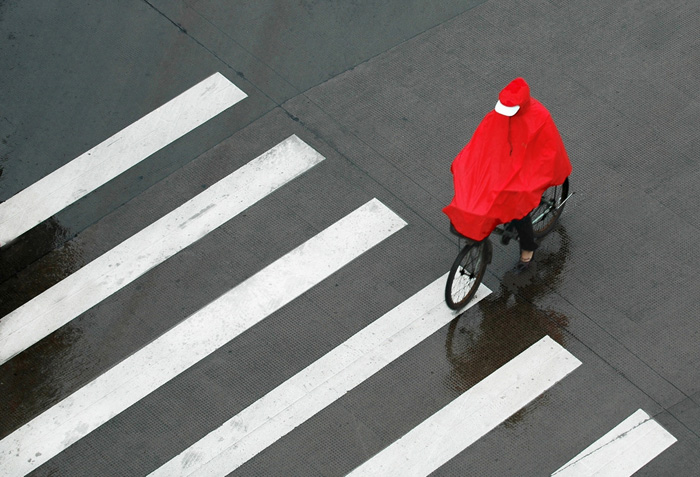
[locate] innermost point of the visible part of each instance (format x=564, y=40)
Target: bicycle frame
x=539, y=217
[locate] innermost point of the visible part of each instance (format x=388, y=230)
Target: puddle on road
x=37, y=261
x=32, y=382
x=507, y=322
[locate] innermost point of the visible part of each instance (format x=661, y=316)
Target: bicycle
x=469, y=267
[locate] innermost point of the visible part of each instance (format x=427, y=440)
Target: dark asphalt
x=388, y=92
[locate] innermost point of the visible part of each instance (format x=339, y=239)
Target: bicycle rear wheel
x=466, y=273
x=547, y=213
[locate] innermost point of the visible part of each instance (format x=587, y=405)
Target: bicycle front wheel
x=547, y=213
x=466, y=274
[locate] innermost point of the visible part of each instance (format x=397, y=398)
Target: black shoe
x=508, y=233
x=522, y=267
x=525, y=266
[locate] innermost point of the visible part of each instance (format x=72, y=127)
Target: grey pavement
x=388, y=92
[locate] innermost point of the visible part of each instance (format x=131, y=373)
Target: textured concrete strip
x=476, y=412
x=198, y=336
x=115, y=155
x=151, y=246
x=308, y=392
x=624, y=450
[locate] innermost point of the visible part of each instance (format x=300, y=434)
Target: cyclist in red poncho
x=515, y=154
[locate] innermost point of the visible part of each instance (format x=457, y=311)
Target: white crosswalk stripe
x=201, y=334
x=462, y=422
x=621, y=452
x=115, y=155
x=151, y=246
x=317, y=386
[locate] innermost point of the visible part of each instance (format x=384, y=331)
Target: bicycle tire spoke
x=465, y=278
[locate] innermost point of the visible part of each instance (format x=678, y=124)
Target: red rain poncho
x=501, y=173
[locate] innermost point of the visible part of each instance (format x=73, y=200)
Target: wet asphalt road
x=388, y=94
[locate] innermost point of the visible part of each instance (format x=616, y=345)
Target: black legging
x=527, y=235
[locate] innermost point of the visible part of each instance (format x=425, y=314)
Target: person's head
x=513, y=97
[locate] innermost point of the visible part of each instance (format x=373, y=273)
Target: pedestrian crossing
x=317, y=386
x=473, y=414
x=153, y=245
x=278, y=412
x=201, y=334
x=115, y=155
x=623, y=451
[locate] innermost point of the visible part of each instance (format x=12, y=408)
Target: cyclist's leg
x=527, y=237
